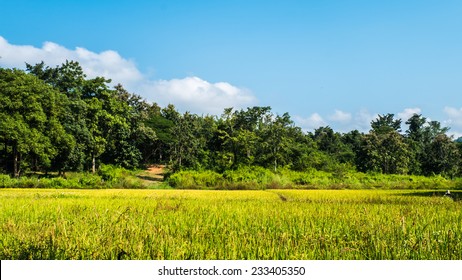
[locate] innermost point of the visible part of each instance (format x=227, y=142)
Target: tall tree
x=386, y=123
x=330, y=142
x=28, y=120
x=277, y=140
x=69, y=79
x=384, y=149
x=415, y=139
x=442, y=157
x=159, y=148
x=386, y=153
x=185, y=145
x=433, y=130
x=416, y=127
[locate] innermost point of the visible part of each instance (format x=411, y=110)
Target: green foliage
x=442, y=156
x=6, y=181
x=189, y=179
x=110, y=177
x=31, y=182
x=111, y=173
x=118, y=177
x=244, y=178
x=249, y=178
x=386, y=152
x=90, y=181
x=385, y=124
x=28, y=120
x=253, y=178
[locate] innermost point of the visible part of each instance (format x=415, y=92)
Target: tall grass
x=244, y=178
x=108, y=177
x=257, y=178
x=190, y=224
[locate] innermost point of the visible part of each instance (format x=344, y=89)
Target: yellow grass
x=198, y=224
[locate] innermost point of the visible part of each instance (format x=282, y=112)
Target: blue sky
x=337, y=63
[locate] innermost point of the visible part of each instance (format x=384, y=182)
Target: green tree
x=416, y=127
x=442, y=157
x=185, y=144
x=354, y=140
x=29, y=125
x=433, y=130
x=415, y=140
x=386, y=123
x=331, y=143
x=69, y=79
x=127, y=135
x=386, y=153
x=384, y=149
x=430, y=147
x=276, y=147
x=158, y=149
x=107, y=125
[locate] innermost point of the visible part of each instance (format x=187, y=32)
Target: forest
x=56, y=120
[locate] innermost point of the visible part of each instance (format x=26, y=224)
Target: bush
x=254, y=177
x=118, y=177
x=90, y=181
x=244, y=178
x=115, y=178
x=196, y=180
x=6, y=181
x=261, y=178
x=111, y=173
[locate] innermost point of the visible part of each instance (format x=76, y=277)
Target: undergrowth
x=254, y=178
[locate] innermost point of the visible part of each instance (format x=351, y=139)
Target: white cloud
x=310, y=123
x=108, y=64
x=340, y=116
x=408, y=113
x=454, y=114
x=197, y=95
x=339, y=121
x=454, y=120
x=189, y=94
x=362, y=120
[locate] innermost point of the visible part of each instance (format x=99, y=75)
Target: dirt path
x=153, y=175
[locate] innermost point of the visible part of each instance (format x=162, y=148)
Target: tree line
x=55, y=119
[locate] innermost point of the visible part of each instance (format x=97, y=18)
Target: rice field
x=229, y=225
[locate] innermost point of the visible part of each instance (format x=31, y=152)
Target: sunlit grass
x=194, y=224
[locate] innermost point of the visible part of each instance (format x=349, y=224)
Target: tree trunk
x=93, y=165
x=5, y=156
x=275, y=152
x=15, y=161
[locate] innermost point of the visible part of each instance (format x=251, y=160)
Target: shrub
x=6, y=181
x=254, y=177
x=111, y=173
x=189, y=179
x=118, y=178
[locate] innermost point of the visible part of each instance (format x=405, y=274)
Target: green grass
x=108, y=177
x=244, y=178
x=193, y=224
x=258, y=178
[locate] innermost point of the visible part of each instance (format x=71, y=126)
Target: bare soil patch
x=153, y=174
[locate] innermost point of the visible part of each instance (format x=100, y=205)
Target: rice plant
x=231, y=225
